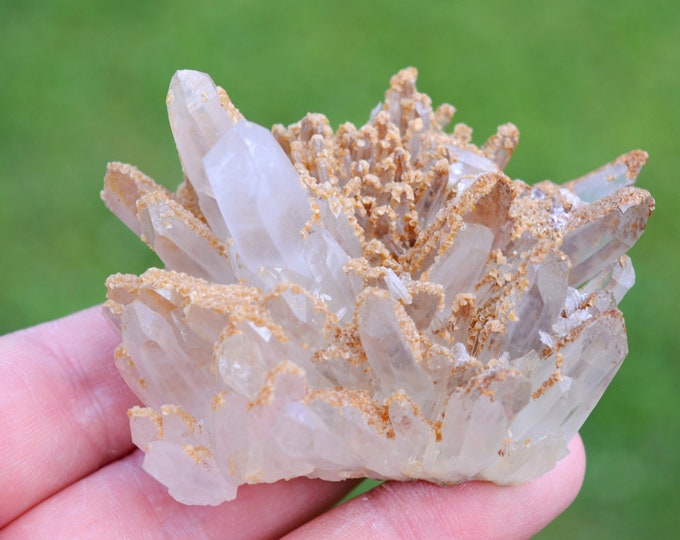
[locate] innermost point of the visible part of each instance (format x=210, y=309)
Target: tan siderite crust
x=391, y=180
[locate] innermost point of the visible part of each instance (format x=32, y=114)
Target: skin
x=68, y=468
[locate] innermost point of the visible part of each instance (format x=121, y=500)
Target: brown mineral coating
x=612, y=206
x=384, y=178
x=238, y=302
x=228, y=105
x=178, y=211
x=124, y=185
x=500, y=147
x=381, y=180
x=128, y=182
x=150, y=414
x=267, y=392
x=187, y=198
x=633, y=160
x=376, y=415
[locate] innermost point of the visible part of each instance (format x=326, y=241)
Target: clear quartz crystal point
x=378, y=301
x=198, y=120
x=260, y=197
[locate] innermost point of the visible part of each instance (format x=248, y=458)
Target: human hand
x=69, y=470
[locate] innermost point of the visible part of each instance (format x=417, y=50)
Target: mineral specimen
x=378, y=302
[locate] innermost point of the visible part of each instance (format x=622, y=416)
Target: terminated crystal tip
x=378, y=301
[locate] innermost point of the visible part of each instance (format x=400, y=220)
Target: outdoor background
x=84, y=82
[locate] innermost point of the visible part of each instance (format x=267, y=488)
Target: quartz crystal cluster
x=378, y=301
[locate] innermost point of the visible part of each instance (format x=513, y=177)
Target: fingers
x=121, y=501
x=472, y=510
x=63, y=408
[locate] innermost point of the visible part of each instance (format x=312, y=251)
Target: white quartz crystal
x=380, y=301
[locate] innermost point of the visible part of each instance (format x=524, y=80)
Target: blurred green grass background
x=84, y=83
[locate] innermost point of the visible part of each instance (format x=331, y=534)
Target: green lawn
x=84, y=83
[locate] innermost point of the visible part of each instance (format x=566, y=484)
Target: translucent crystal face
x=379, y=302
